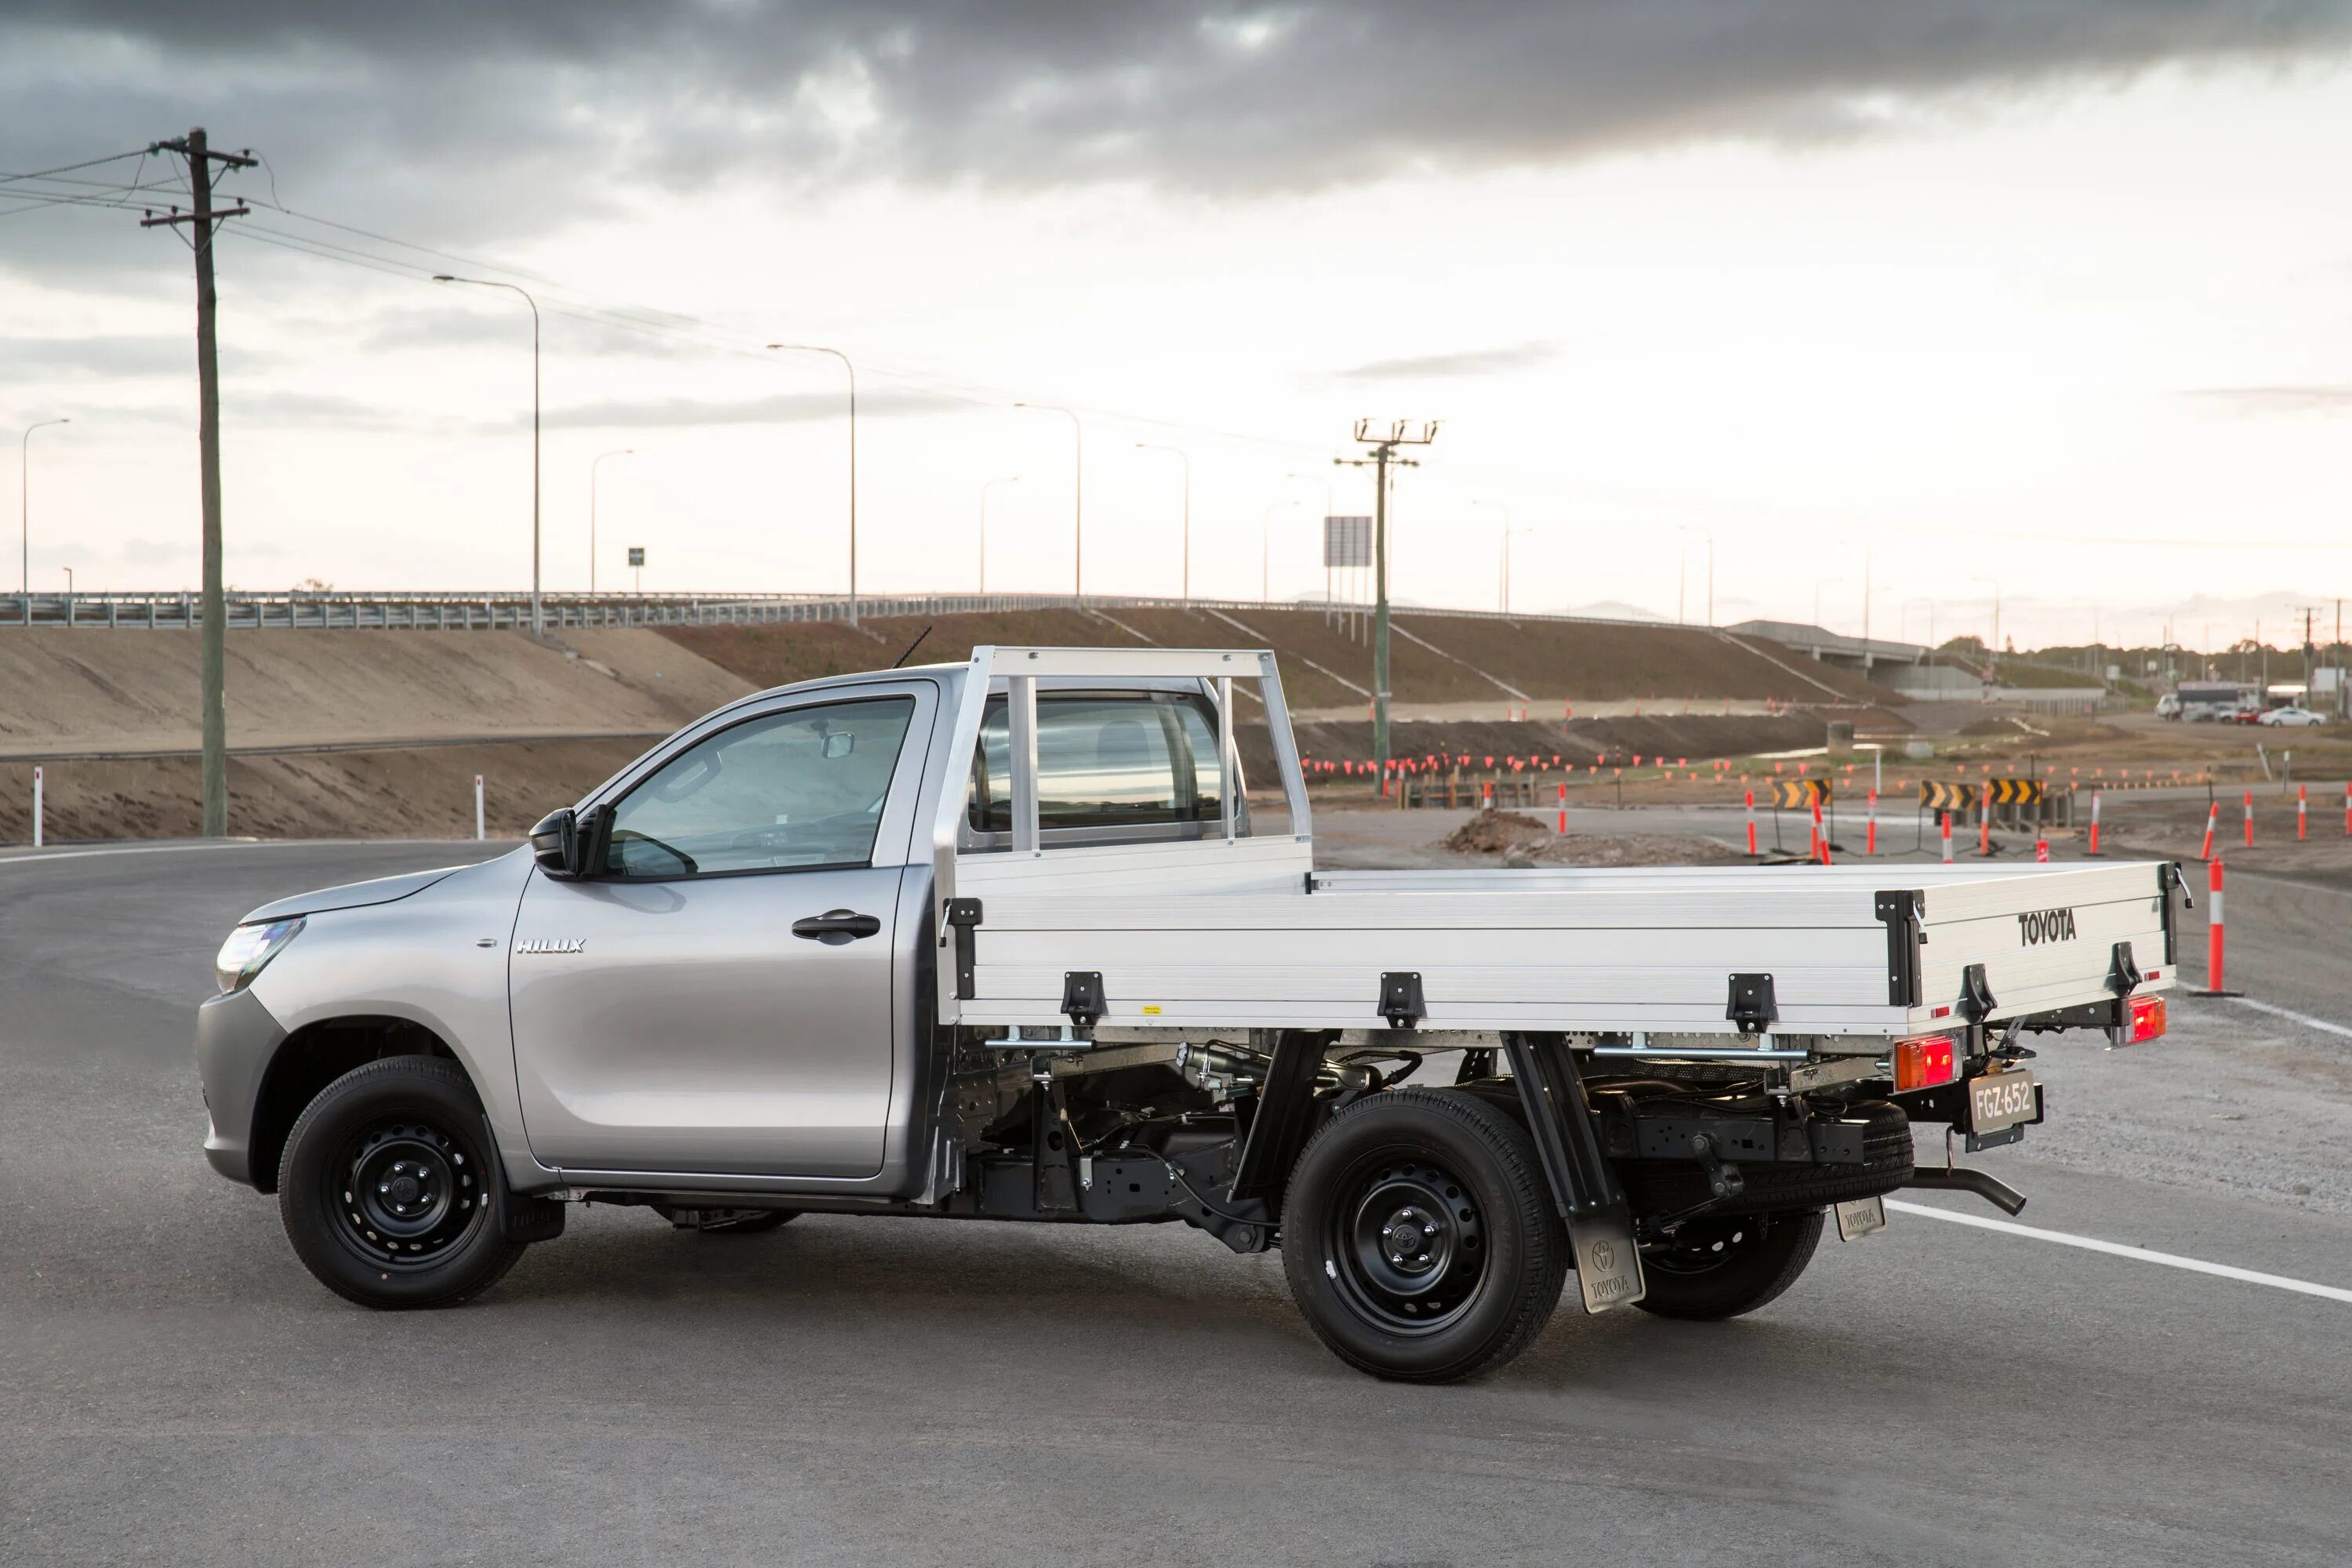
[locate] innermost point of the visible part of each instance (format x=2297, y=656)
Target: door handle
x=838, y=923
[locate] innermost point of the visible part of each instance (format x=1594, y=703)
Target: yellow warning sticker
x=1151, y=1009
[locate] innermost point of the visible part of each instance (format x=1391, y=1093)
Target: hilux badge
x=552, y=944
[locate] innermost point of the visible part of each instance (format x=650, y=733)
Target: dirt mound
x=1518, y=839
x=1493, y=832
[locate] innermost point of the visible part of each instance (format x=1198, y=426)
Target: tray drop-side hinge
x=963, y=915
x=1901, y=910
x=2122, y=974
x=1752, y=1005
x=1401, y=999
x=1082, y=996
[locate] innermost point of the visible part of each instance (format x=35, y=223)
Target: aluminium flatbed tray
x=1180, y=945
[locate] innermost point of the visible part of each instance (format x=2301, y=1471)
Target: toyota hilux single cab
x=1010, y=939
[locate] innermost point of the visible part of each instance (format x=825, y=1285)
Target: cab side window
x=1139, y=764
x=794, y=791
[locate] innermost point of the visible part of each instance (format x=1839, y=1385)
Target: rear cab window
x=1113, y=766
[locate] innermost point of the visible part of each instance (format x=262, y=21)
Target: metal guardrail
x=562, y=612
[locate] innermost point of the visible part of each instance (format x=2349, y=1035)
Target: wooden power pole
x=1383, y=457
x=203, y=221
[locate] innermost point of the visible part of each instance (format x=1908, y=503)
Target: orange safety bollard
x=1563, y=808
x=1984, y=829
x=1751, y=821
x=2095, y=822
x=2250, y=819
x=2213, y=981
x=2042, y=850
x=1870, y=842
x=2212, y=820
x=2302, y=798
x=1820, y=836
x=1946, y=818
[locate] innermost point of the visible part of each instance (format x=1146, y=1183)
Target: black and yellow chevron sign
x=1800, y=792
x=1935, y=796
x=2015, y=792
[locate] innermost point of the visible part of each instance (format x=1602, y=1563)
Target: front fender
x=436, y=959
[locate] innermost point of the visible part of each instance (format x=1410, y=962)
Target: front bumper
x=235, y=1038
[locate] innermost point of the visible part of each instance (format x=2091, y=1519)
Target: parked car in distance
x=2290, y=718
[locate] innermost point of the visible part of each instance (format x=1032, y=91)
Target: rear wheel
x=389, y=1190
x=1419, y=1237
x=1712, y=1269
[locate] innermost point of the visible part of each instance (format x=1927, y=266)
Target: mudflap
x=1608, y=1264
x=1583, y=1184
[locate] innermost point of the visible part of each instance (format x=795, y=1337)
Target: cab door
x=717, y=996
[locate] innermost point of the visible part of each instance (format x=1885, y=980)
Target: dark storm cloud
x=502, y=118
x=1466, y=363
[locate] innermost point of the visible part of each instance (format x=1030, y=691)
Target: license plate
x=1864, y=1216
x=2000, y=1099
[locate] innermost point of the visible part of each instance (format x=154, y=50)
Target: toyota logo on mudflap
x=1605, y=1257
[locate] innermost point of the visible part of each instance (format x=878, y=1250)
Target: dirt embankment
x=408, y=792
x=1325, y=665
x=112, y=691
x=1516, y=839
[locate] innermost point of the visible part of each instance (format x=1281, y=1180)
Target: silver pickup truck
x=1010, y=939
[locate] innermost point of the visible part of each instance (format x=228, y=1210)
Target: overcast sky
x=2051, y=295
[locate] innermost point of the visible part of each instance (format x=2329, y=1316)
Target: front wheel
x=1418, y=1237
x=389, y=1188
x=1714, y=1268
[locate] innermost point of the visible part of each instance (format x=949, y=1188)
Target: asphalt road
x=174, y=1388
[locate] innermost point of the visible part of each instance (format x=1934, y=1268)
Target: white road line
x=2305, y=1019
x=2118, y=1249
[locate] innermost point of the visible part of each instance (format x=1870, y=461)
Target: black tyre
x=390, y=1188
x=1712, y=1269
x=1419, y=1237
x=727, y=1222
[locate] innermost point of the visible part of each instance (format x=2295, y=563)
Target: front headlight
x=248, y=948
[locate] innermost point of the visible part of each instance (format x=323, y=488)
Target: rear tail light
x=1924, y=1062
x=2146, y=1018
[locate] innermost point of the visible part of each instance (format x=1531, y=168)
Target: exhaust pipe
x=1998, y=1194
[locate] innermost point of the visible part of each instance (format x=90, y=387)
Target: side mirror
x=572, y=844
x=555, y=843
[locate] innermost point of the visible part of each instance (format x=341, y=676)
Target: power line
x=85, y=163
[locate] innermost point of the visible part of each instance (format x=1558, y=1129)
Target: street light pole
x=1007, y=479
x=1186, y=577
x=1077, y=495
x=851, y=371
x=1265, y=551
x=1993, y=653
x=1503, y=599
x=24, y=505
x=593, y=465
x=538, y=616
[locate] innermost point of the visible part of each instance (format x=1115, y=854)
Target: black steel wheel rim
x=1405, y=1243
x=406, y=1192
x=1702, y=1246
